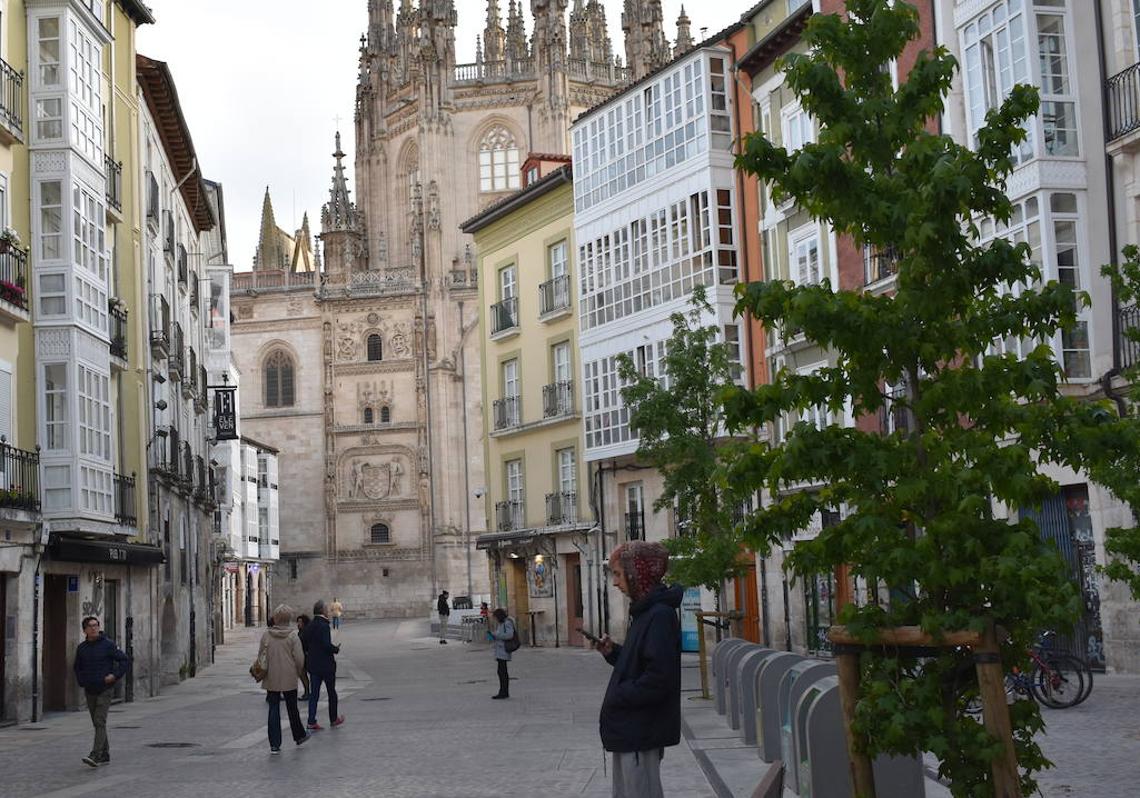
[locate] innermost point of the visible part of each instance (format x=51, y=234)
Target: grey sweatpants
x=638, y=774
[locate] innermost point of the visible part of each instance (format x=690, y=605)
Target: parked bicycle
x=1054, y=679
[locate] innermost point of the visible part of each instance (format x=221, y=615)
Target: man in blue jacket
x=98, y=665
x=641, y=713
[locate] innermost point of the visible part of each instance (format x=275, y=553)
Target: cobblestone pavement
x=420, y=723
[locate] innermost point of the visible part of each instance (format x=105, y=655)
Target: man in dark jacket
x=641, y=713
x=444, y=610
x=98, y=665
x=321, y=654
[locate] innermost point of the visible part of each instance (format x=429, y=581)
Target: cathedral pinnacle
x=646, y=47
x=684, y=34
x=339, y=213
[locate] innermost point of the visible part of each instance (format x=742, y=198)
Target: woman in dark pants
x=502, y=633
x=284, y=661
x=302, y=622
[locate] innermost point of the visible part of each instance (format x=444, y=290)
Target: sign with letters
x=225, y=414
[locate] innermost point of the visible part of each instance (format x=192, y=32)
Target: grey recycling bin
x=732, y=672
x=720, y=653
x=768, y=703
x=793, y=685
x=822, y=765
x=749, y=667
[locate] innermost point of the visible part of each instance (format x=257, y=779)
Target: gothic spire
x=339, y=213
x=269, y=254
x=646, y=47
x=517, y=49
x=684, y=34
x=494, y=37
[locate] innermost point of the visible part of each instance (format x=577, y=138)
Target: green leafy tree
x=918, y=504
x=680, y=426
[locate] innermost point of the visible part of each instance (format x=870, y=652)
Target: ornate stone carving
x=433, y=206
x=399, y=340
x=295, y=308
x=245, y=311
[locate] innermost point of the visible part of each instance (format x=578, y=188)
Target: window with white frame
x=996, y=59
x=55, y=406
x=515, y=486
x=508, y=283
x=1024, y=226
x=84, y=81
x=567, y=471
x=719, y=120
x=49, y=118
x=48, y=50
x=735, y=352
x=52, y=294
x=1075, y=349
x=557, y=257
x=606, y=416
x=498, y=161
x=5, y=405
x=560, y=357
x=5, y=211
x=511, y=378
x=798, y=128
x=51, y=220
x=1058, y=100
x=804, y=256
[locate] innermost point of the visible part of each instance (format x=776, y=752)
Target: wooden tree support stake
x=904, y=639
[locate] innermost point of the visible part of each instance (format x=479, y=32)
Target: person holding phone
x=641, y=711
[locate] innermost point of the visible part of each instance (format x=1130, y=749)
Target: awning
x=515, y=537
x=72, y=549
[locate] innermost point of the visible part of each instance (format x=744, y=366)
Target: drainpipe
x=36, y=580
x=466, y=457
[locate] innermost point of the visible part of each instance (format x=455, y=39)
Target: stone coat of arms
x=377, y=480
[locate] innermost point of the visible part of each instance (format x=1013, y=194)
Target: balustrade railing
x=1128, y=322
x=159, y=326
x=1122, y=91
x=561, y=508
x=509, y=515
x=494, y=71
x=554, y=295
x=597, y=70
x=113, y=172
x=117, y=315
x=125, y=512
x=19, y=478
x=635, y=525
x=507, y=412
x=14, y=277
x=879, y=264
x=505, y=315
x=558, y=399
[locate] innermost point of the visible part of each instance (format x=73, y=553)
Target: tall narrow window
x=368, y=415
x=375, y=347
x=279, y=380
x=805, y=260
x=49, y=50
x=55, y=406
x=1058, y=105
x=996, y=59
x=567, y=471
x=385, y=415
x=498, y=161
x=51, y=220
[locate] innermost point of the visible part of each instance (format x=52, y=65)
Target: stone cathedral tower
x=381, y=453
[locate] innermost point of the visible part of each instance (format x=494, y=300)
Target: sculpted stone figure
x=397, y=472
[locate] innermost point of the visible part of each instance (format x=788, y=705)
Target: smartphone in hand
x=589, y=635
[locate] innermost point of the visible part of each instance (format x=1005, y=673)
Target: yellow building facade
x=535, y=497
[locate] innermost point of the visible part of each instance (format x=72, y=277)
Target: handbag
x=260, y=667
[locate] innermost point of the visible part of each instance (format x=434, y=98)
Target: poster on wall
x=539, y=578
x=690, y=605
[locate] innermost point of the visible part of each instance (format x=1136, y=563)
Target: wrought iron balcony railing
x=186, y=466
x=504, y=315
x=125, y=512
x=554, y=295
x=14, y=277
x=558, y=399
x=561, y=508
x=509, y=515
x=1128, y=321
x=164, y=451
x=176, y=361
x=118, y=320
x=11, y=103
x=879, y=264
x=635, y=525
x=159, y=326
x=1122, y=91
x=113, y=171
x=190, y=380
x=19, y=478
x=507, y=412
x=201, y=398
x=168, y=233
x=183, y=263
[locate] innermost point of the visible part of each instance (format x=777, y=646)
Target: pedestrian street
x=420, y=723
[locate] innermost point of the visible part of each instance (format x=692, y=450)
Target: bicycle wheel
x=1058, y=681
x=1088, y=674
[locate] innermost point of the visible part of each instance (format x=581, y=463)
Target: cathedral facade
x=362, y=367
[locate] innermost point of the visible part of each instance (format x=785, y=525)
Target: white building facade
x=655, y=215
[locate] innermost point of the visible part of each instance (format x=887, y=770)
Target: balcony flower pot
x=12, y=292
x=9, y=240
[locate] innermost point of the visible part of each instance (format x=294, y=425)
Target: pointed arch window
x=379, y=533
x=279, y=380
x=375, y=347
x=498, y=161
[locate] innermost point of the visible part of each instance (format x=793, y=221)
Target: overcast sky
x=262, y=83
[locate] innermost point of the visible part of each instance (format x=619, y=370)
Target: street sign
x=73, y=584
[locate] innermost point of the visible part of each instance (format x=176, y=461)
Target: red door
x=574, y=609
x=748, y=601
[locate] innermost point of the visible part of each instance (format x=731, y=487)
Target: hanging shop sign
x=225, y=414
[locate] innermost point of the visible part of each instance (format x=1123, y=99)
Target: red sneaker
x=315, y=727
x=338, y=722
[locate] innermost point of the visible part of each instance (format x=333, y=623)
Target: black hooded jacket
x=642, y=707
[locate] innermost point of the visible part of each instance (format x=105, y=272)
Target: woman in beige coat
x=284, y=661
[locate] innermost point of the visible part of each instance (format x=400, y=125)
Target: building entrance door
x=521, y=594
x=111, y=624
x=748, y=601
x=55, y=642
x=574, y=607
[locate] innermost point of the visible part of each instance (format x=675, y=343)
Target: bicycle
x=1053, y=679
